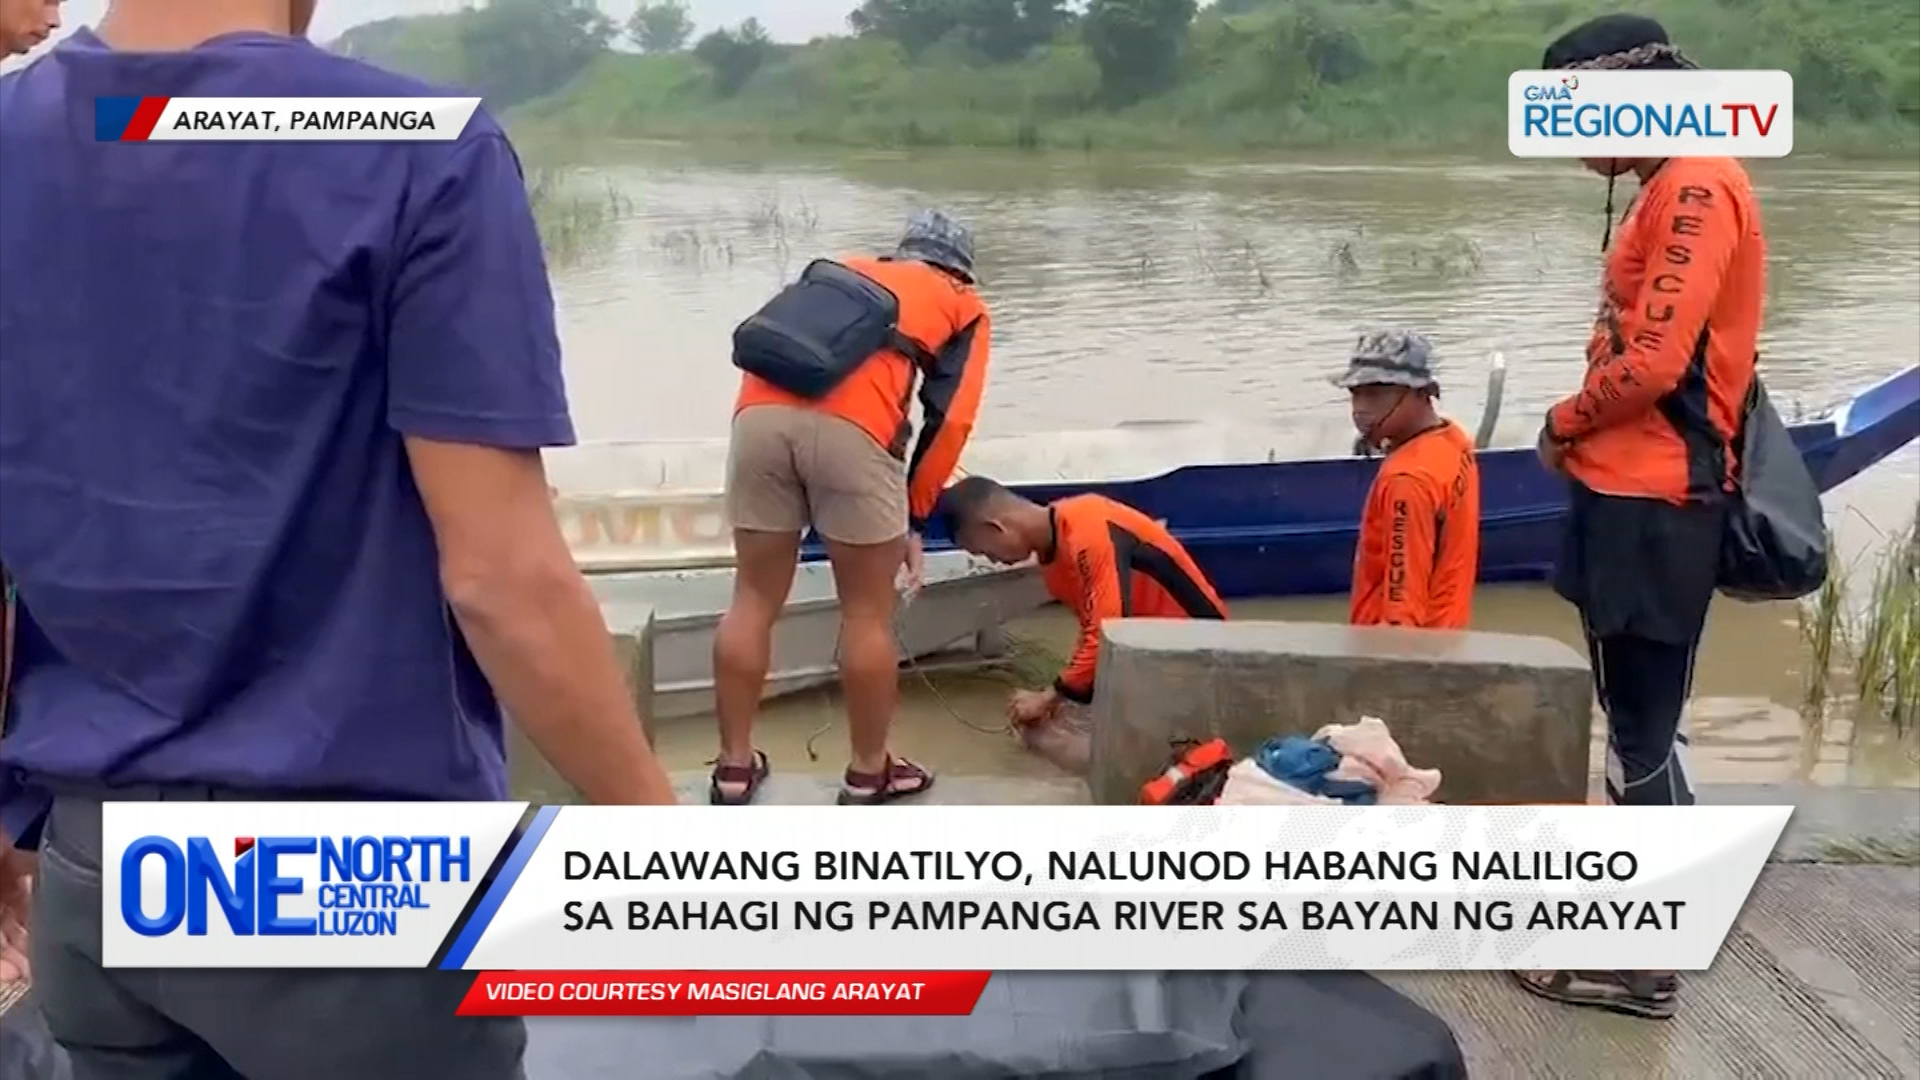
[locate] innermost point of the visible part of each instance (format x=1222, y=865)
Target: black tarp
x=1340, y=1025
x=1058, y=1026
x=1264, y=1026
x=27, y=1050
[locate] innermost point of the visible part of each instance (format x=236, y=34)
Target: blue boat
x=1288, y=528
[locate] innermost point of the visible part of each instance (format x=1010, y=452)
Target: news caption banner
x=1643, y=114
x=352, y=119
x=749, y=910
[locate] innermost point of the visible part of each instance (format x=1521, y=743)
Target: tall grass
x=574, y=220
x=1868, y=645
x=1887, y=656
x=1823, y=627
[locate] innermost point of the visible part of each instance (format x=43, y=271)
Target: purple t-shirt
x=209, y=353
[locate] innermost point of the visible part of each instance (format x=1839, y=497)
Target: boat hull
x=1289, y=528
x=956, y=616
x=1270, y=527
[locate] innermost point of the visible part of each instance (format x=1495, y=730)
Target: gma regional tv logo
x=285, y=886
x=1632, y=114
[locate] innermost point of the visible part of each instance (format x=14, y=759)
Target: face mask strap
x=1606, y=234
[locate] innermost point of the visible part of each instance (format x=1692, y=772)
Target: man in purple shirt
x=24, y=24
x=272, y=498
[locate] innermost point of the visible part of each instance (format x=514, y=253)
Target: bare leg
x=764, y=563
x=863, y=577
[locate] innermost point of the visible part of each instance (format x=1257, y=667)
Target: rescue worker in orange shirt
x=1100, y=558
x=820, y=439
x=1418, y=554
x=1646, y=444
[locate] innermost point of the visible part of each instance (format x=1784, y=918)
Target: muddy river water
x=1129, y=290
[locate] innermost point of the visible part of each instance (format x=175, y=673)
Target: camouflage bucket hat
x=1390, y=358
x=1615, y=43
x=934, y=237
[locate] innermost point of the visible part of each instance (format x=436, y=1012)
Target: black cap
x=1621, y=42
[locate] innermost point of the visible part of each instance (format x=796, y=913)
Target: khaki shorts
x=789, y=467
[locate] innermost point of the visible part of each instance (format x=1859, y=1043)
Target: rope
x=913, y=665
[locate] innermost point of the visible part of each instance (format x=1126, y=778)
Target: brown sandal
x=1647, y=994
x=901, y=779
x=750, y=777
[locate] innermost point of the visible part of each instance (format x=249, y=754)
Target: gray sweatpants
x=139, y=1024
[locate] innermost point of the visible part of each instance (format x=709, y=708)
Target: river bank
x=625, y=97
x=1231, y=76
x=1134, y=290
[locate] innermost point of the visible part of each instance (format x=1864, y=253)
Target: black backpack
x=816, y=331
x=1774, y=546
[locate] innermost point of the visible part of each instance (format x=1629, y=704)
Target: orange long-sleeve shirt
x=1110, y=561
x=1673, y=350
x=948, y=319
x=1419, y=550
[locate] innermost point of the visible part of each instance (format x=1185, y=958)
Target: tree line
x=512, y=51
x=1338, y=64
x=1135, y=42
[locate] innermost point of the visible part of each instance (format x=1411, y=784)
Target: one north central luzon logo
x=366, y=883
x=1554, y=110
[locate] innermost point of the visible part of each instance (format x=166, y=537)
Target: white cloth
x=1369, y=754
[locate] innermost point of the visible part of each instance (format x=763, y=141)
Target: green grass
x=1387, y=74
x=1823, y=629
x=1886, y=657
x=1868, y=645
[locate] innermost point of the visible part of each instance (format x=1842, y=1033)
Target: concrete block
x=1506, y=719
x=632, y=627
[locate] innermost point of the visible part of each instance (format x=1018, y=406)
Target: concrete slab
x=1820, y=977
x=1504, y=718
x=1834, y=825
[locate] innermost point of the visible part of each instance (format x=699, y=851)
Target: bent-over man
x=1101, y=559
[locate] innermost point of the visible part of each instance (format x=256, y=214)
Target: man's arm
x=1098, y=599
x=474, y=386
x=1413, y=538
x=1695, y=234
x=950, y=399
x=530, y=619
